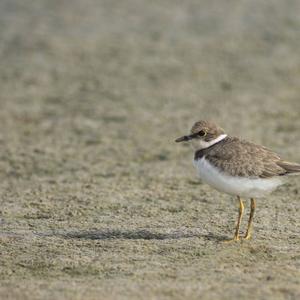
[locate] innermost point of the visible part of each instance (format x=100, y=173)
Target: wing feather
x=242, y=158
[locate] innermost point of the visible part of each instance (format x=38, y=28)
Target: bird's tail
x=289, y=167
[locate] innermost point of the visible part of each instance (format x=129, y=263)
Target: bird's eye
x=202, y=133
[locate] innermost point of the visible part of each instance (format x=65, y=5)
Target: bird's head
x=203, y=135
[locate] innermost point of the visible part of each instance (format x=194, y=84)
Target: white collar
x=204, y=145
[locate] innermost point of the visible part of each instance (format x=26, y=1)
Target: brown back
x=241, y=158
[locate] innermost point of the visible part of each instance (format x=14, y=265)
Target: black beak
x=184, y=138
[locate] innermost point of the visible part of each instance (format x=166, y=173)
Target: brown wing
x=290, y=168
x=242, y=158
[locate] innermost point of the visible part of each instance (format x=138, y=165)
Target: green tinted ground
x=97, y=201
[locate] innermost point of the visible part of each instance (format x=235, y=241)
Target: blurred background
x=95, y=194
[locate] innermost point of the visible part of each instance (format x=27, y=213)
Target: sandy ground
x=97, y=201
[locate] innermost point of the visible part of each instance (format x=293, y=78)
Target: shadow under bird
x=237, y=167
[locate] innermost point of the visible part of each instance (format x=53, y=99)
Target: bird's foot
x=247, y=236
x=236, y=238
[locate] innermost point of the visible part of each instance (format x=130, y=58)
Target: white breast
x=239, y=186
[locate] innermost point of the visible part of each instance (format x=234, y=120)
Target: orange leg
x=237, y=229
x=248, y=232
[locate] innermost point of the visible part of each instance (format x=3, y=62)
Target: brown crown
x=212, y=130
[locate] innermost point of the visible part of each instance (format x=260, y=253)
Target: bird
x=237, y=167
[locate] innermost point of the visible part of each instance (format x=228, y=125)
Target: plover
x=237, y=167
